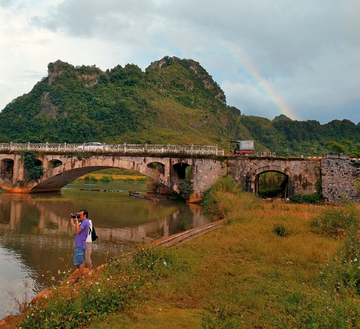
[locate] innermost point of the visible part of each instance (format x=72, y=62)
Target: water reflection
x=36, y=238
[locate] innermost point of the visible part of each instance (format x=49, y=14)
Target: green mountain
x=174, y=101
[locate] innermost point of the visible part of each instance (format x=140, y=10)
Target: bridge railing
x=113, y=148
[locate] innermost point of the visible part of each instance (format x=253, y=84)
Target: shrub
x=281, y=230
x=106, y=179
x=185, y=188
x=329, y=221
x=225, y=184
x=357, y=185
x=225, y=199
x=93, y=179
x=29, y=158
x=306, y=198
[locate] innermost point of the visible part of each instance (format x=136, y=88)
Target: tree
x=345, y=146
x=334, y=147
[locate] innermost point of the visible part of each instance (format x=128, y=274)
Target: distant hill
x=281, y=117
x=174, y=101
x=288, y=137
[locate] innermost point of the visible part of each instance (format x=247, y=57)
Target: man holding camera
x=80, y=222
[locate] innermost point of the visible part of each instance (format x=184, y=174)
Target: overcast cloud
x=269, y=56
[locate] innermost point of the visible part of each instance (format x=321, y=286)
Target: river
x=37, y=240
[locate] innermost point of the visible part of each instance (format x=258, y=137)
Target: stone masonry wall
x=338, y=177
x=302, y=173
x=205, y=173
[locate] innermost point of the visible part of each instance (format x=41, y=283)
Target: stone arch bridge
x=337, y=172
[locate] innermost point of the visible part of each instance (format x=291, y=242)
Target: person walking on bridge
x=80, y=222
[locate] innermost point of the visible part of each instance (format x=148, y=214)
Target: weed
x=121, y=285
x=21, y=300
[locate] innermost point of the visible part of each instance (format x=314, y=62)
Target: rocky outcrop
x=89, y=75
x=199, y=71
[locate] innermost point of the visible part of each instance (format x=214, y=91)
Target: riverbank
x=107, y=177
x=273, y=265
x=14, y=321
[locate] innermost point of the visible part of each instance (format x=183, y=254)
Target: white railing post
x=46, y=146
x=65, y=147
x=11, y=146
x=28, y=145
x=124, y=147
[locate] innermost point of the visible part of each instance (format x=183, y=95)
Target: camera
x=75, y=216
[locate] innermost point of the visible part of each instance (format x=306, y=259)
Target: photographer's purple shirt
x=80, y=239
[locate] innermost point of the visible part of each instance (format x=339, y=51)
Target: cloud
x=305, y=51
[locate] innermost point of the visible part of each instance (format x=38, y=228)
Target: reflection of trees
x=28, y=216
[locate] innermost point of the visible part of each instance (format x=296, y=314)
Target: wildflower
x=165, y=263
x=99, y=290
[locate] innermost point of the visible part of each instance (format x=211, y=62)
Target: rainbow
x=263, y=85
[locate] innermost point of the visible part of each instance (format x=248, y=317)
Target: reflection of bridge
x=168, y=165
x=52, y=224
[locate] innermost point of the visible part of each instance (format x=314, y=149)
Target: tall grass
x=275, y=265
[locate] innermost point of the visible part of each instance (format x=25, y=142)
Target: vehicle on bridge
x=242, y=147
x=90, y=147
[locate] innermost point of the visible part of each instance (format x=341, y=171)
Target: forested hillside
x=287, y=137
x=174, y=101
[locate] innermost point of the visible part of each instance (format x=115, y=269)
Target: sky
x=271, y=57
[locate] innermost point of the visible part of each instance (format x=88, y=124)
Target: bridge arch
x=286, y=185
x=179, y=170
x=7, y=169
x=160, y=167
x=56, y=177
x=54, y=163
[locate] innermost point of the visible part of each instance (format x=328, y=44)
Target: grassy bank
x=273, y=265
x=113, y=174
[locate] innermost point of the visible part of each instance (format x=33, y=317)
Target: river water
x=37, y=240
